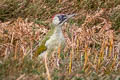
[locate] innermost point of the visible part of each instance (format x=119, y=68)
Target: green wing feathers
x=42, y=47
x=39, y=50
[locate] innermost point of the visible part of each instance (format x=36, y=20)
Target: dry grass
x=92, y=47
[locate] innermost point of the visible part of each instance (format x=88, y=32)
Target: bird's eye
x=62, y=17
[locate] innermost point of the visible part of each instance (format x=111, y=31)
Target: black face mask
x=62, y=18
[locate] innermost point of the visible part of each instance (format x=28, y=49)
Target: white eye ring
x=56, y=21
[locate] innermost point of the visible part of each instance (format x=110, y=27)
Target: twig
x=19, y=78
x=47, y=70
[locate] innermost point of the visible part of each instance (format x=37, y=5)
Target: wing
x=39, y=50
x=42, y=46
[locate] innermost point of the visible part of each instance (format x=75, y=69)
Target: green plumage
x=54, y=38
x=42, y=46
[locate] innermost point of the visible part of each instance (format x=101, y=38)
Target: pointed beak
x=71, y=15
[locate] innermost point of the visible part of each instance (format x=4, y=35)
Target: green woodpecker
x=55, y=38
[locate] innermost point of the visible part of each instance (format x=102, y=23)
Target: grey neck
x=58, y=29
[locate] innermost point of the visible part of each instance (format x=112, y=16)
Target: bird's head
x=60, y=19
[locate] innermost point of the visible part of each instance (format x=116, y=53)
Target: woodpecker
x=55, y=38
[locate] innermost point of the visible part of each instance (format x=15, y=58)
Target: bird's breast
x=56, y=40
